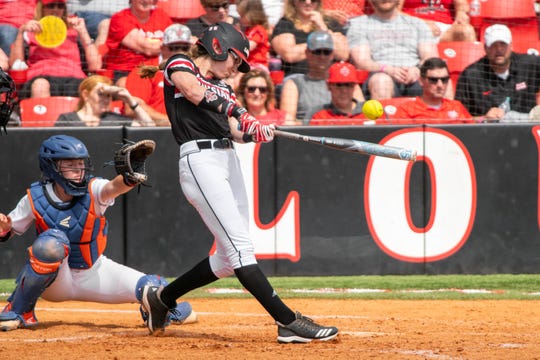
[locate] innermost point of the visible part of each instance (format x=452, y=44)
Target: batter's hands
x=263, y=133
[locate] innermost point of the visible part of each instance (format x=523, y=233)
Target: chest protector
x=87, y=232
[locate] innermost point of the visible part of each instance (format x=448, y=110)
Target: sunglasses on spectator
x=320, y=52
x=343, y=85
x=55, y=5
x=175, y=48
x=434, y=80
x=218, y=6
x=305, y=1
x=252, y=89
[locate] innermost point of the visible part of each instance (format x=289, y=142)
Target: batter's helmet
x=7, y=95
x=60, y=147
x=222, y=37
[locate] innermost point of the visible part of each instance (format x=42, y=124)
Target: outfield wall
x=470, y=205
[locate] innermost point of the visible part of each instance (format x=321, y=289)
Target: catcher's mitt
x=130, y=160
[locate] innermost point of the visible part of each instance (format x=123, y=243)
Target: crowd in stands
x=314, y=62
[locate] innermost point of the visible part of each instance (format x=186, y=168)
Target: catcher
x=66, y=260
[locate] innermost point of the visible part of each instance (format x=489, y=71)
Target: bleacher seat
x=460, y=54
x=390, y=106
x=44, y=112
x=518, y=15
x=526, y=47
x=181, y=10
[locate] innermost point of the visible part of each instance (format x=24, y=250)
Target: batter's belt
x=207, y=144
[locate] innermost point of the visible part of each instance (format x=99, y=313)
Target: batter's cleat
x=156, y=309
x=304, y=330
x=183, y=314
x=10, y=320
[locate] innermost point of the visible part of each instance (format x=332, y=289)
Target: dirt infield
x=240, y=329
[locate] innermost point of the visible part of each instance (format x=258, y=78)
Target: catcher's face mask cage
x=7, y=96
x=62, y=147
x=221, y=38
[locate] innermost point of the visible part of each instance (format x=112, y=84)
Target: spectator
x=290, y=34
x=484, y=86
x=13, y=15
x=4, y=60
x=255, y=25
x=95, y=95
x=343, y=109
x=438, y=16
x=432, y=107
x=66, y=260
x=391, y=46
x=256, y=93
x=56, y=71
x=216, y=11
x=149, y=91
x=304, y=94
x=343, y=10
x=135, y=37
x=96, y=15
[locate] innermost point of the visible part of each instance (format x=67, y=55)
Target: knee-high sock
x=200, y=275
x=253, y=279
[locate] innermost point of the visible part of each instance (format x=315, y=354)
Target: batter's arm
x=189, y=86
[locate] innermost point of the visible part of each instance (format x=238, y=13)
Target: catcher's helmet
x=60, y=147
x=7, y=95
x=222, y=37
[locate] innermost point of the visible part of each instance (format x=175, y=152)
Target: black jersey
x=189, y=121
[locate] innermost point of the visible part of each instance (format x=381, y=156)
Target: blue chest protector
x=87, y=232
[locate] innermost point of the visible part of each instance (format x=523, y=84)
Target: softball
x=373, y=109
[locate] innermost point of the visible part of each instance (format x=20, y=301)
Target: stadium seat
x=526, y=47
x=44, y=112
x=518, y=15
x=390, y=106
x=460, y=54
x=181, y=10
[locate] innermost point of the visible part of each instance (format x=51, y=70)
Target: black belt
x=215, y=144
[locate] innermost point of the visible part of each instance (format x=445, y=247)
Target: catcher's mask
x=61, y=147
x=222, y=37
x=7, y=96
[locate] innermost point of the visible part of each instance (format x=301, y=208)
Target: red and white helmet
x=222, y=37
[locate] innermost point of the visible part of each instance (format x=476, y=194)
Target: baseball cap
x=342, y=72
x=177, y=34
x=47, y=2
x=497, y=32
x=320, y=40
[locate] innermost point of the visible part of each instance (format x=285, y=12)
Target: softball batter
x=205, y=121
x=66, y=260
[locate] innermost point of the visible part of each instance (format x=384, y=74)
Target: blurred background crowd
x=313, y=62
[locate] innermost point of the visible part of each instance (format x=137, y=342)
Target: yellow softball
x=373, y=109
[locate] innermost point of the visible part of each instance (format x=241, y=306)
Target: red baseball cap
x=47, y=2
x=342, y=72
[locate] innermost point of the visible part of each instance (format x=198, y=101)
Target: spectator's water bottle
x=505, y=105
x=475, y=13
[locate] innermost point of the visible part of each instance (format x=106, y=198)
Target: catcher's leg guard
x=182, y=314
x=46, y=254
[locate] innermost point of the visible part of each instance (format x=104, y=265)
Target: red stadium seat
x=45, y=111
x=460, y=54
x=390, y=106
x=526, y=47
x=518, y=15
x=181, y=10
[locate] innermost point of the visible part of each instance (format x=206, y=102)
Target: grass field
x=414, y=287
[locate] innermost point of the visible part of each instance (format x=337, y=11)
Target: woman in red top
x=256, y=92
x=447, y=19
x=135, y=37
x=55, y=71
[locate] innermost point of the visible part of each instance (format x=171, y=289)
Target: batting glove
x=263, y=133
